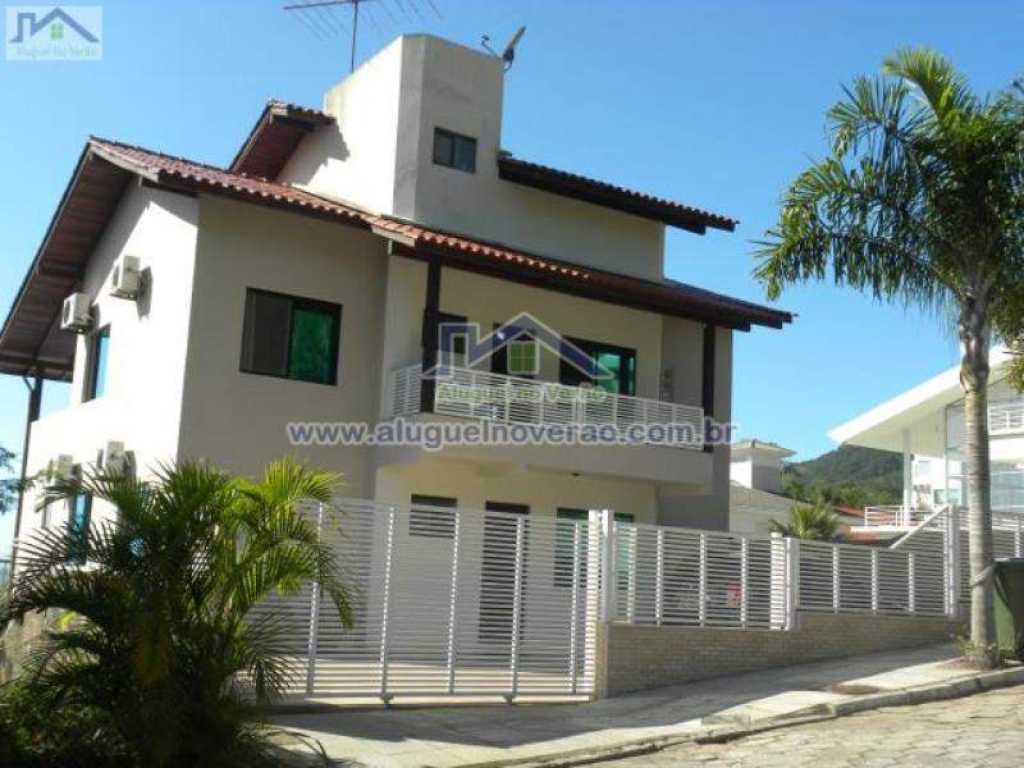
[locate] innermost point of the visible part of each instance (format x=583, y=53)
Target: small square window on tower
x=454, y=150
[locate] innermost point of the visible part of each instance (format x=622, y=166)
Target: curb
x=954, y=689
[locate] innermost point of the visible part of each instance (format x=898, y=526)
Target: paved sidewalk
x=445, y=737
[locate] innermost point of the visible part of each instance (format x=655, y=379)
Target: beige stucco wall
x=142, y=404
x=239, y=419
x=380, y=156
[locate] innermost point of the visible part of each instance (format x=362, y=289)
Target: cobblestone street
x=982, y=730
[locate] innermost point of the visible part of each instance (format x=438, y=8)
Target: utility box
x=1009, y=600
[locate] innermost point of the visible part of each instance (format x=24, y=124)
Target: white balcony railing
x=1006, y=417
x=495, y=397
x=896, y=516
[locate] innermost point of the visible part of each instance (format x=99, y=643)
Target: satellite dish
x=509, y=54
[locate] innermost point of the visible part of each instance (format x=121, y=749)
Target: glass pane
x=443, y=149
x=465, y=154
x=100, y=352
x=312, y=346
x=613, y=362
x=265, y=345
x=78, y=528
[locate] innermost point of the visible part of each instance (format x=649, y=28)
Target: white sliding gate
x=448, y=602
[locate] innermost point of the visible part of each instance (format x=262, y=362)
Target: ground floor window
x=435, y=521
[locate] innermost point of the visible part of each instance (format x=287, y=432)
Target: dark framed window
x=620, y=361
x=79, y=520
x=432, y=523
x=456, y=342
x=453, y=150
x=291, y=337
x=565, y=537
x=98, y=357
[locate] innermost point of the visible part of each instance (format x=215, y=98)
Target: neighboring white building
x=755, y=499
x=305, y=283
x=758, y=465
x=926, y=424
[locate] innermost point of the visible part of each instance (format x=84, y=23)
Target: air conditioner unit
x=76, y=316
x=115, y=460
x=60, y=467
x=126, y=279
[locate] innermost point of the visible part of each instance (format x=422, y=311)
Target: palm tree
x=814, y=522
x=157, y=636
x=921, y=201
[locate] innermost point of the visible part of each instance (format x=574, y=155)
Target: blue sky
x=716, y=104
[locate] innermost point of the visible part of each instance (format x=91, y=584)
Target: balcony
x=1006, y=418
x=494, y=397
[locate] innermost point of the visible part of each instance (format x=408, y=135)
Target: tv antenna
x=509, y=54
x=321, y=4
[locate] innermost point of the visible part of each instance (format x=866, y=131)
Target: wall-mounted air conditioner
x=126, y=278
x=76, y=315
x=60, y=467
x=115, y=460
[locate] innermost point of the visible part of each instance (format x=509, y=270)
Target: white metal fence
x=496, y=397
x=684, y=577
x=469, y=602
x=448, y=601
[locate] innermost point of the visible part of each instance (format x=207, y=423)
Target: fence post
x=609, y=566
x=314, y=616
x=659, y=580
x=517, y=606
x=874, y=581
x=952, y=557
x=837, y=595
x=385, y=639
x=911, y=584
x=744, y=580
x=702, y=580
x=785, y=577
x=573, y=619
x=452, y=600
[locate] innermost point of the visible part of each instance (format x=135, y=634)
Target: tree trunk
x=975, y=336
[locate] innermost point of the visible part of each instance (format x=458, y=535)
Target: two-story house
x=306, y=283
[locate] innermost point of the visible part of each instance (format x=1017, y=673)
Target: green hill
x=865, y=475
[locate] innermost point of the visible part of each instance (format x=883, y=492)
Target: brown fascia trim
x=603, y=194
x=304, y=119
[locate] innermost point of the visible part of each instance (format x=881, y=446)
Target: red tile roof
x=29, y=343
x=610, y=195
x=275, y=136
x=282, y=125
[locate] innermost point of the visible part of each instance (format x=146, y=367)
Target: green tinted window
x=291, y=337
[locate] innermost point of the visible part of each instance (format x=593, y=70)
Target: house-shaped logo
x=50, y=32
x=460, y=344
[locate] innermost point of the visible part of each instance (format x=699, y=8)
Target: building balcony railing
x=894, y=516
x=495, y=397
x=1006, y=418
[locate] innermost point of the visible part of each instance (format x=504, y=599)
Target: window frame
x=334, y=310
x=453, y=138
x=593, y=348
x=92, y=373
x=87, y=501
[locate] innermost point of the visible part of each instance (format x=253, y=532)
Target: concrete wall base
x=639, y=657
